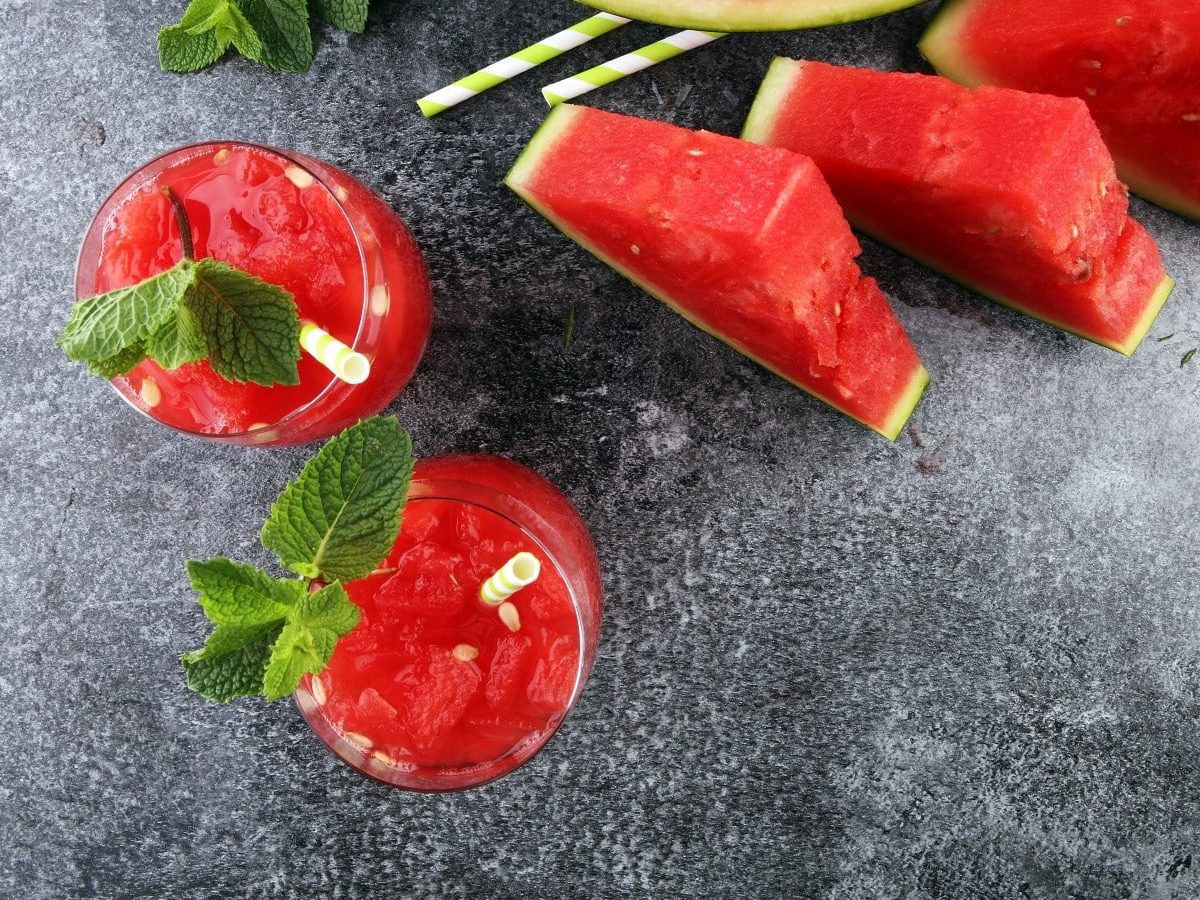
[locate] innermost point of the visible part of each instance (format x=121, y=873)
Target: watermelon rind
x=941, y=44
x=750, y=15
x=1125, y=347
x=768, y=102
x=759, y=129
x=557, y=124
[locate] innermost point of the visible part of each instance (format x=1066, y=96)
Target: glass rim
x=426, y=777
x=300, y=162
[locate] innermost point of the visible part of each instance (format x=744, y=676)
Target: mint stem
x=181, y=217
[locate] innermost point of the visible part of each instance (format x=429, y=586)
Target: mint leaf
x=340, y=517
x=104, y=329
x=270, y=632
x=177, y=342
x=348, y=15
x=204, y=33
x=181, y=51
x=306, y=643
x=237, y=30
x=232, y=662
x=119, y=364
x=235, y=594
x=251, y=328
x=285, y=31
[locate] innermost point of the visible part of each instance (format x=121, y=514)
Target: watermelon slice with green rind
x=750, y=15
x=1136, y=65
x=745, y=242
x=1011, y=194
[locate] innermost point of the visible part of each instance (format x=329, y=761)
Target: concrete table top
x=963, y=665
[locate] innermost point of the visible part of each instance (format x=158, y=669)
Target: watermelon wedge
x=1135, y=64
x=745, y=242
x=1011, y=194
x=750, y=15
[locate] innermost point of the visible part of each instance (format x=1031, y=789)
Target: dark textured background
x=963, y=665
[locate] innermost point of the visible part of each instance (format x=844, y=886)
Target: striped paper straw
x=348, y=365
x=523, y=569
x=616, y=69
x=521, y=61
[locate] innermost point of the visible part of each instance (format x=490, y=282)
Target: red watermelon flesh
x=1136, y=65
x=744, y=241
x=1012, y=194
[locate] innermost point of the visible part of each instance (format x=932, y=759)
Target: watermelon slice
x=1011, y=194
x=750, y=15
x=745, y=242
x=1136, y=65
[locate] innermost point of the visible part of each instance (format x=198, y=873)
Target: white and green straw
x=616, y=69
x=347, y=364
x=520, y=571
x=521, y=61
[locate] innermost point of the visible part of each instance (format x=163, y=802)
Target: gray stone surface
x=963, y=665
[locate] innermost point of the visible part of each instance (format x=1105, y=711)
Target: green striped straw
x=521, y=61
x=616, y=69
x=348, y=365
x=520, y=571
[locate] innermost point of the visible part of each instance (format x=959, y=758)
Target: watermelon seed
x=695, y=153
x=361, y=741
x=380, y=300
x=635, y=249
x=380, y=756
x=298, y=177
x=1092, y=64
x=1091, y=92
x=150, y=393
x=1123, y=21
x=509, y=616
x=1191, y=117
x=220, y=157
x=317, y=689
x=341, y=193
x=1103, y=190
x=465, y=652
x=1074, y=232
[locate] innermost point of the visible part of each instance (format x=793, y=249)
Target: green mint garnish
x=341, y=517
x=205, y=32
x=247, y=329
x=276, y=33
x=286, y=34
x=348, y=15
x=1187, y=357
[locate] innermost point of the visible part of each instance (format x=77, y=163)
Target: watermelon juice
x=434, y=689
x=348, y=260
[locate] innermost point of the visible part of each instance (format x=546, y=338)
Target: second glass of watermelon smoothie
x=434, y=690
x=306, y=226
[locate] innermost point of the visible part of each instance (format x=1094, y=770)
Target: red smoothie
x=434, y=690
x=349, y=261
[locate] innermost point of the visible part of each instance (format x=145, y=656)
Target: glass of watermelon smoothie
x=306, y=226
x=435, y=690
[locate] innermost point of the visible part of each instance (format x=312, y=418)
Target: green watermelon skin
x=1009, y=193
x=750, y=15
x=746, y=242
x=1136, y=65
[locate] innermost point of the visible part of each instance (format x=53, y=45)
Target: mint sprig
x=340, y=517
x=247, y=329
x=276, y=33
x=337, y=521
